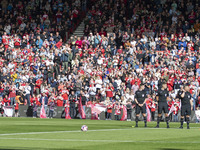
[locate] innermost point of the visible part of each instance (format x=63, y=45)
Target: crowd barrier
x=59, y=112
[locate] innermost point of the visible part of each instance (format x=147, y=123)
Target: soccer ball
x=84, y=128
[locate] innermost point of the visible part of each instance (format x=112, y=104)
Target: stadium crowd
x=125, y=43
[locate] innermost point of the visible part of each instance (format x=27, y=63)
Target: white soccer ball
x=84, y=128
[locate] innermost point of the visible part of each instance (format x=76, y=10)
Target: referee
x=140, y=99
x=186, y=105
x=162, y=96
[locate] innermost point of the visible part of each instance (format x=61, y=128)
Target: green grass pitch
x=61, y=134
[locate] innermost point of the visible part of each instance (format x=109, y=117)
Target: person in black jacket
x=57, y=63
x=32, y=81
x=64, y=59
x=72, y=100
x=50, y=74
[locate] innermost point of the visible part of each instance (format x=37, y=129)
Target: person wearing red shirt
x=120, y=50
x=59, y=44
x=12, y=95
x=81, y=71
x=175, y=112
x=38, y=84
x=153, y=109
x=65, y=93
x=16, y=109
x=109, y=111
x=149, y=101
x=6, y=100
x=117, y=108
x=109, y=91
x=34, y=98
x=17, y=41
x=79, y=42
x=59, y=100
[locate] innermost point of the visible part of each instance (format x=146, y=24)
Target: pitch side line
x=31, y=133
x=107, y=141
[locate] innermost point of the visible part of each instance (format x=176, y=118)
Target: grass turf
x=63, y=134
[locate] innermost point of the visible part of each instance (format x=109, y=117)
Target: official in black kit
x=140, y=99
x=186, y=105
x=162, y=96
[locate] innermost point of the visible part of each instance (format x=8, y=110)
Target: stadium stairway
x=79, y=32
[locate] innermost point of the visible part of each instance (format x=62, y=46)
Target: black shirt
x=177, y=84
x=140, y=96
x=186, y=99
x=83, y=100
x=72, y=99
x=162, y=94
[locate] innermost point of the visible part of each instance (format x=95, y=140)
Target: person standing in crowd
x=64, y=59
x=129, y=110
x=16, y=109
x=35, y=106
x=6, y=101
x=117, y=107
x=140, y=100
x=153, y=109
x=51, y=108
x=175, y=113
x=28, y=92
x=44, y=100
x=92, y=92
x=1, y=106
x=109, y=110
x=12, y=95
x=186, y=105
x=72, y=100
x=162, y=97
x=83, y=99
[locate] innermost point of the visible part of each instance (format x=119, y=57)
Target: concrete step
x=79, y=30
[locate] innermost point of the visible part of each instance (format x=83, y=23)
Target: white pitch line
x=107, y=141
x=101, y=130
x=27, y=133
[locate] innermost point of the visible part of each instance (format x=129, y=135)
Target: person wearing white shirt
x=98, y=83
x=106, y=81
x=28, y=91
x=92, y=92
x=118, y=81
x=100, y=61
x=11, y=65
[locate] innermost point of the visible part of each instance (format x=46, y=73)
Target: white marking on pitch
x=27, y=133
x=107, y=141
x=101, y=130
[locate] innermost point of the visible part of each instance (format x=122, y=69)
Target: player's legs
x=188, y=113
x=137, y=115
x=144, y=115
x=167, y=120
x=159, y=115
x=145, y=120
x=166, y=115
x=182, y=117
x=188, y=121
